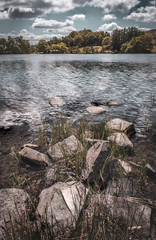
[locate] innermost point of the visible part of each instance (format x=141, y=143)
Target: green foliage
x=124, y=35
x=141, y=44
x=127, y=40
x=14, y=45
x=59, y=48
x=42, y=46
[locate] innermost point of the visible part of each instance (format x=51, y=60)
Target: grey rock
x=50, y=175
x=13, y=203
x=34, y=157
x=95, y=110
x=96, y=157
x=67, y=147
x=113, y=103
x=119, y=125
x=61, y=204
x=149, y=169
x=121, y=187
x=57, y=101
x=30, y=145
x=121, y=140
x=125, y=166
x=131, y=211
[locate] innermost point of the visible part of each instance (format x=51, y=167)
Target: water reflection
x=28, y=81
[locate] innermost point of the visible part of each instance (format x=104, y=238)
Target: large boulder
x=95, y=110
x=131, y=212
x=66, y=148
x=34, y=157
x=61, y=204
x=13, y=203
x=119, y=125
x=96, y=158
x=57, y=101
x=121, y=140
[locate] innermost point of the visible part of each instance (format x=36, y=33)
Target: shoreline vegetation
x=80, y=182
x=127, y=40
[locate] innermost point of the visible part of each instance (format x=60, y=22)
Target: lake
x=27, y=82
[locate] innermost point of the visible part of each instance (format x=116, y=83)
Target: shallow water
x=27, y=82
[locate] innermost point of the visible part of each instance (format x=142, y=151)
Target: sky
x=44, y=19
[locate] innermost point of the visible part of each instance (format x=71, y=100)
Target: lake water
x=27, y=82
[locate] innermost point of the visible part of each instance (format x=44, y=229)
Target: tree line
x=127, y=40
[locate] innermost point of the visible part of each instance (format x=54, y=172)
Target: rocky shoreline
x=67, y=180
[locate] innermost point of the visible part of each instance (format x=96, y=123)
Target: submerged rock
x=57, y=101
x=96, y=157
x=34, y=157
x=13, y=203
x=67, y=147
x=95, y=110
x=96, y=103
x=61, y=204
x=113, y=104
x=121, y=140
x=119, y=125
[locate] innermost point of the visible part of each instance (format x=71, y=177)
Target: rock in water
x=34, y=157
x=121, y=140
x=13, y=203
x=119, y=125
x=113, y=104
x=67, y=147
x=57, y=101
x=61, y=204
x=95, y=110
x=95, y=160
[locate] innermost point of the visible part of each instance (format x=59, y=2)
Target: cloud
x=48, y=6
x=4, y=15
x=143, y=29
x=77, y=17
x=109, y=17
x=114, y=5
x=109, y=27
x=24, y=12
x=53, y=25
x=17, y=13
x=143, y=14
x=44, y=5
x=30, y=36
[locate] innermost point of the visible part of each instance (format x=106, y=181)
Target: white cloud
x=53, y=25
x=109, y=27
x=30, y=36
x=44, y=5
x=4, y=15
x=143, y=14
x=109, y=17
x=59, y=6
x=113, y=5
x=77, y=17
x=143, y=29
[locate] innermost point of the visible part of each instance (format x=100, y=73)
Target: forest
x=127, y=40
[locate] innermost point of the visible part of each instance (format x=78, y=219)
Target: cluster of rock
x=61, y=204
x=95, y=109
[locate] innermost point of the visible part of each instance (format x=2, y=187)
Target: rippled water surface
x=27, y=82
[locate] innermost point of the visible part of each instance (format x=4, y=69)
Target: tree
x=42, y=46
x=59, y=48
x=16, y=49
x=141, y=44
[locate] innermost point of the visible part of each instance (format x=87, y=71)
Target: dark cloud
x=24, y=13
